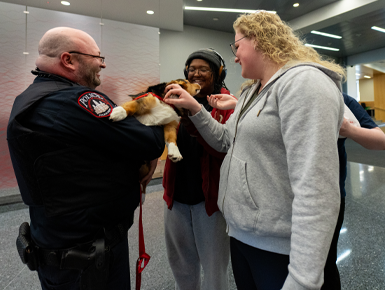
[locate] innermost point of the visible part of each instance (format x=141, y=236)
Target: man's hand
x=222, y=101
x=146, y=179
x=185, y=100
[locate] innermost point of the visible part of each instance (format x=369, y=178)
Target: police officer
x=77, y=170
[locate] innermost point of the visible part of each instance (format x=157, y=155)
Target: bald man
x=76, y=170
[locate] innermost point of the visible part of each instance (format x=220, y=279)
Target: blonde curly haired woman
x=279, y=184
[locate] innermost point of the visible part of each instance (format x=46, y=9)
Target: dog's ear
x=157, y=89
x=172, y=82
x=179, y=81
x=183, y=84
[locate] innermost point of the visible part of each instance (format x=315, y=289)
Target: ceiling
x=284, y=9
x=168, y=13
x=351, y=19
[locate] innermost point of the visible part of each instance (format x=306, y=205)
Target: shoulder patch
x=96, y=104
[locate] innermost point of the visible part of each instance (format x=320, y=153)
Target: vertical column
x=379, y=96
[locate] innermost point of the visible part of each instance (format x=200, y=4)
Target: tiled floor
x=361, y=246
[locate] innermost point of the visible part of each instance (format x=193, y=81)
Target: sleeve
x=87, y=121
x=225, y=114
x=310, y=119
x=218, y=136
x=359, y=112
x=215, y=134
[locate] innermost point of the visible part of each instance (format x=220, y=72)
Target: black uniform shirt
x=79, y=117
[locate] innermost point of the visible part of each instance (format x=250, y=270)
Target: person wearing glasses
x=195, y=231
x=279, y=182
x=77, y=170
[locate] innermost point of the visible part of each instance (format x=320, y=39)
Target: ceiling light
x=199, y=0
x=378, y=29
x=66, y=3
x=295, y=4
x=322, y=47
x=368, y=77
x=224, y=9
x=215, y=19
x=150, y=12
x=326, y=34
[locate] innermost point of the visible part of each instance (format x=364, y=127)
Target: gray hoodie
x=279, y=182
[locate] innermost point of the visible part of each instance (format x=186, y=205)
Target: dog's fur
x=150, y=111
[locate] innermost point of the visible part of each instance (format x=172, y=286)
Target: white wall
x=351, y=82
x=366, y=90
x=175, y=47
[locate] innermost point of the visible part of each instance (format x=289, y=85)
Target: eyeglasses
x=98, y=56
x=201, y=71
x=233, y=48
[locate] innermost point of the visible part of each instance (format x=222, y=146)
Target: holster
x=26, y=248
x=93, y=262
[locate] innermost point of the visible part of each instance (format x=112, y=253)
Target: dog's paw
x=173, y=152
x=118, y=114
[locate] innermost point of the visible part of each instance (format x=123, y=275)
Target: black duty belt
x=78, y=257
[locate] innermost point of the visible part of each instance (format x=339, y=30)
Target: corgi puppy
x=150, y=110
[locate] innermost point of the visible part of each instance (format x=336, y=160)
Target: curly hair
x=277, y=41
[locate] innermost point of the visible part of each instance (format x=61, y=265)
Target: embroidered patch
x=96, y=104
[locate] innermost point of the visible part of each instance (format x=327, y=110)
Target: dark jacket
x=211, y=162
x=77, y=170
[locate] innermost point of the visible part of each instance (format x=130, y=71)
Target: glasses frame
x=102, y=58
x=199, y=71
x=233, y=48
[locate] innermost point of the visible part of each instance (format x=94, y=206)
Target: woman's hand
x=222, y=101
x=185, y=100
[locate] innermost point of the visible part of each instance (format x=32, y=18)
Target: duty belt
x=78, y=257
x=69, y=258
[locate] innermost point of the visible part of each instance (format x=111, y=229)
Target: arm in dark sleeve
x=128, y=137
x=368, y=135
x=359, y=112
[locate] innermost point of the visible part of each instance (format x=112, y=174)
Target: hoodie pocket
x=241, y=210
x=224, y=172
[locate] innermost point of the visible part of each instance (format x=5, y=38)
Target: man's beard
x=87, y=75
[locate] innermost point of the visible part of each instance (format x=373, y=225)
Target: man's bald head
x=58, y=40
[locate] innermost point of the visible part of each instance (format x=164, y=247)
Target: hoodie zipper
x=232, y=150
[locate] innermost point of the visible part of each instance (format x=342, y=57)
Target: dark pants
x=331, y=274
x=52, y=278
x=257, y=269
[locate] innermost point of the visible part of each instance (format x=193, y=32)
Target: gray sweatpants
x=194, y=239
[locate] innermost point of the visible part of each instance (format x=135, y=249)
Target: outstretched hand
x=185, y=100
x=346, y=128
x=222, y=101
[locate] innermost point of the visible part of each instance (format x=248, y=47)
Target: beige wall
x=379, y=96
x=366, y=90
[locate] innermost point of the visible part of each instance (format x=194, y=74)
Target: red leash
x=144, y=258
